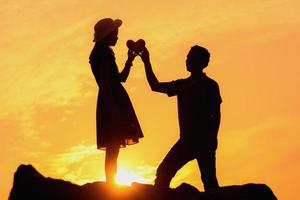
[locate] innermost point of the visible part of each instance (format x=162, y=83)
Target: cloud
x=78, y=163
x=83, y=163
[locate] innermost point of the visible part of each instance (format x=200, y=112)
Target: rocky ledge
x=29, y=184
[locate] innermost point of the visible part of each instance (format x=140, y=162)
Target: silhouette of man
x=199, y=100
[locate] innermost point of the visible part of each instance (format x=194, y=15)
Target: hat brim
x=118, y=23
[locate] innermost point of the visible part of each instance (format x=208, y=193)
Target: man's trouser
x=178, y=156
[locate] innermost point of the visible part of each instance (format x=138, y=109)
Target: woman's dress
x=116, y=121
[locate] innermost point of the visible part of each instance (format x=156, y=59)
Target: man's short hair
x=201, y=53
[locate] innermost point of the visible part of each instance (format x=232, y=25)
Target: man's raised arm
x=151, y=78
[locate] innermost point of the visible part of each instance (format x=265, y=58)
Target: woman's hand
x=131, y=55
x=125, y=72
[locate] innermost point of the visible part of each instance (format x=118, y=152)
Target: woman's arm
x=125, y=72
x=104, y=76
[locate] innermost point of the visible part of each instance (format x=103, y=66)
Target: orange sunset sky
x=48, y=93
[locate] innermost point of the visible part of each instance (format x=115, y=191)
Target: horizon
x=48, y=92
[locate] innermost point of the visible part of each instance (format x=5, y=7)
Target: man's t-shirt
x=196, y=98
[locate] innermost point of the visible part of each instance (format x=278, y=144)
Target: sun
x=125, y=177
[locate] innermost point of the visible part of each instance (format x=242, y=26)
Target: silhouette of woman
x=116, y=121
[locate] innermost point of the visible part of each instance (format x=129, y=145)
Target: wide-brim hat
x=105, y=26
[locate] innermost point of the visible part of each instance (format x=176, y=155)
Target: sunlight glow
x=125, y=177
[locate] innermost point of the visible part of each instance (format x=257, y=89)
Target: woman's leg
x=111, y=156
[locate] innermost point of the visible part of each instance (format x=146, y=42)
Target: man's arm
x=215, y=113
x=151, y=78
x=215, y=120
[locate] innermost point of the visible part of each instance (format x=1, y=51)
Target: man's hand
x=144, y=53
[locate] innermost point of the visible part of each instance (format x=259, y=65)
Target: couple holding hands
x=198, y=99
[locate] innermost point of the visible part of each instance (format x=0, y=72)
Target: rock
x=29, y=184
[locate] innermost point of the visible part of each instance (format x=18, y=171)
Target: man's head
x=197, y=59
